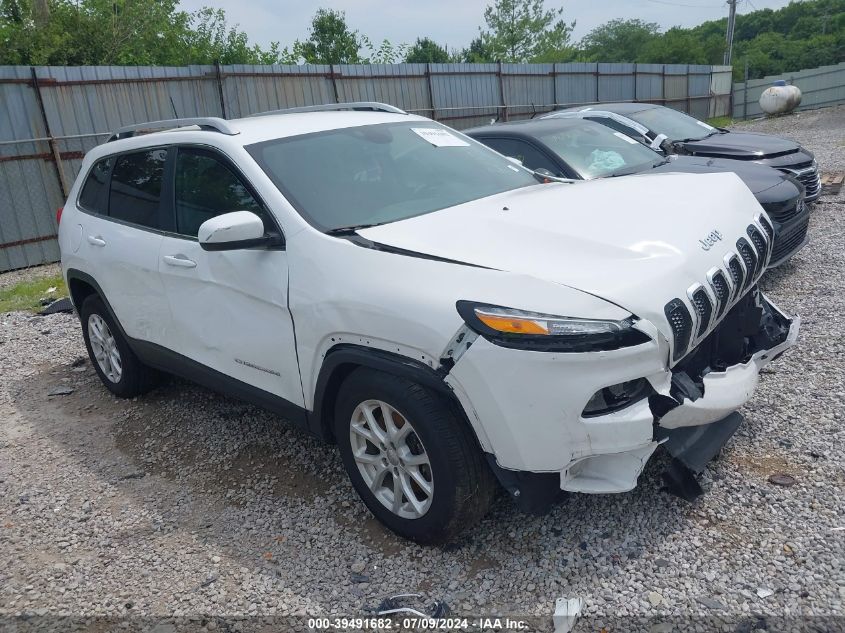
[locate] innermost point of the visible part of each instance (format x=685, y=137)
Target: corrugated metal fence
x=821, y=87
x=51, y=116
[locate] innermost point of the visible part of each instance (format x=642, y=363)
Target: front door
x=229, y=308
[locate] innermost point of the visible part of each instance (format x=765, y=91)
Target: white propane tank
x=780, y=98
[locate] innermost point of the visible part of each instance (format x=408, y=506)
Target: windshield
x=675, y=125
x=595, y=151
x=382, y=173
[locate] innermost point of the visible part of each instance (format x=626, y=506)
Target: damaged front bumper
x=527, y=407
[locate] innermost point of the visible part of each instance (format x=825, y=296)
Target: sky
x=450, y=22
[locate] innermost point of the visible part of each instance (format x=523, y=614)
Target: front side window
x=595, y=151
x=381, y=173
x=135, y=193
x=94, y=196
x=205, y=187
x=677, y=126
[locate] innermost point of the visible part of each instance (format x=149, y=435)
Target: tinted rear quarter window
x=94, y=196
x=135, y=193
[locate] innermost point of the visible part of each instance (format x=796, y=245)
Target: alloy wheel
x=104, y=348
x=391, y=459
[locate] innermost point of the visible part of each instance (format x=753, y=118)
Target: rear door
x=121, y=224
x=230, y=309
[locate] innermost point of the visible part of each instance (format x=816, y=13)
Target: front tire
x=115, y=363
x=411, y=457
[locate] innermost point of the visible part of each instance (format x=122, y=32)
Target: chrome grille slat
x=737, y=272
x=724, y=286
x=721, y=290
x=703, y=306
x=760, y=244
x=749, y=257
x=680, y=320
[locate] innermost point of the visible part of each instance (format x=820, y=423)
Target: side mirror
x=233, y=231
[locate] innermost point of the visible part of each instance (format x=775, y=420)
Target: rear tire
x=443, y=483
x=115, y=363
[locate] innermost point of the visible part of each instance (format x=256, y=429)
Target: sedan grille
x=789, y=242
x=692, y=320
x=809, y=177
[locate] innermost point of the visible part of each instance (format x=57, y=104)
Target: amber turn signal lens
x=510, y=324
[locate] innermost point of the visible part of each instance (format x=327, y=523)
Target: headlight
x=510, y=327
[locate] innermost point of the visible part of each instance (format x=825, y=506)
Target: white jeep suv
x=451, y=322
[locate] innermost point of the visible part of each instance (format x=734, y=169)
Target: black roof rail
x=361, y=106
x=211, y=123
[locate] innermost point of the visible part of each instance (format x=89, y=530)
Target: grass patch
x=721, y=121
x=27, y=295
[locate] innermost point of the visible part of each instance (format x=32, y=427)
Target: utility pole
x=729, y=36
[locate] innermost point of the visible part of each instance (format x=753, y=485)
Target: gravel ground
x=185, y=503
x=15, y=277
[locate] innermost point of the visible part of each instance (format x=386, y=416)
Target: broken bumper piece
x=692, y=448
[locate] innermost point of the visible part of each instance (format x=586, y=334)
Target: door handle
x=180, y=261
x=96, y=240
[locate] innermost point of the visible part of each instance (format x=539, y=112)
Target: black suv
x=579, y=149
x=679, y=133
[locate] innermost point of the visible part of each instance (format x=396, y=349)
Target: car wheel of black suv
x=411, y=457
x=118, y=367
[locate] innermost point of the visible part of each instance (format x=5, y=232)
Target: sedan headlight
x=520, y=329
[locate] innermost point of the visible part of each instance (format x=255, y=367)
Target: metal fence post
x=430, y=90
x=219, y=76
x=57, y=158
x=333, y=76
x=744, y=92
x=502, y=93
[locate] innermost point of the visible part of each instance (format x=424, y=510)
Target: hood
x=758, y=178
x=638, y=242
x=741, y=145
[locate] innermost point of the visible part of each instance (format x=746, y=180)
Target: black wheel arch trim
x=341, y=359
x=77, y=275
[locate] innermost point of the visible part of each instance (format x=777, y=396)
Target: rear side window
x=94, y=196
x=135, y=194
x=205, y=188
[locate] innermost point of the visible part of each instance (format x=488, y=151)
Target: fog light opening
x=616, y=397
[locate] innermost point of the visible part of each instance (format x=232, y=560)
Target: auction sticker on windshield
x=439, y=137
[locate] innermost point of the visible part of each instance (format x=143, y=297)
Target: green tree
x=425, y=51
x=524, y=30
x=331, y=41
x=478, y=52
x=122, y=32
x=675, y=46
x=618, y=40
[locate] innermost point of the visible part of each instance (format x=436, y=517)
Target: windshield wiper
x=349, y=230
